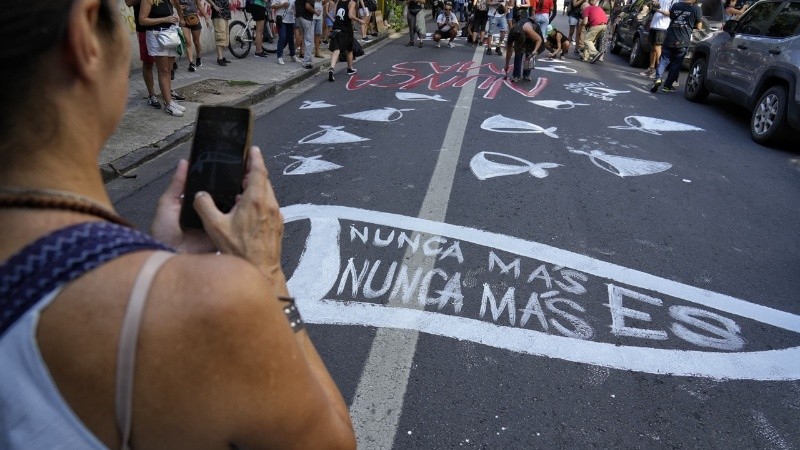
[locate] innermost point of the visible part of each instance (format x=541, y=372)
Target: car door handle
x=774, y=52
x=741, y=47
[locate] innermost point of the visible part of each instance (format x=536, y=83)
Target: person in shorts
x=363, y=13
x=148, y=62
x=497, y=22
x=317, y=27
x=658, y=31
x=192, y=27
x=342, y=35
x=480, y=10
x=574, y=20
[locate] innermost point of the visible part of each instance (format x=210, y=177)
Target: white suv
x=755, y=62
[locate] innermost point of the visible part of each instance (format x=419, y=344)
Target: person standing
x=658, y=31
x=342, y=37
x=220, y=15
x=190, y=22
x=497, y=21
x=305, y=23
x=575, y=23
x=364, y=14
x=685, y=16
x=542, y=13
x=594, y=21
x=284, y=19
x=148, y=62
x=480, y=17
x=259, y=11
x=159, y=15
x=317, y=27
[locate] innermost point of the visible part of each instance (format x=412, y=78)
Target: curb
x=120, y=166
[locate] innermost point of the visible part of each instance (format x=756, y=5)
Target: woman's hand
x=166, y=227
x=253, y=229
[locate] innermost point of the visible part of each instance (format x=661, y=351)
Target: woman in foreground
x=217, y=364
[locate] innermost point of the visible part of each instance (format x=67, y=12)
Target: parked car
x=632, y=29
x=755, y=62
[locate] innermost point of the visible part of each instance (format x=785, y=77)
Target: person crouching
x=447, y=24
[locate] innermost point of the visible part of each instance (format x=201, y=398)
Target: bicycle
x=241, y=35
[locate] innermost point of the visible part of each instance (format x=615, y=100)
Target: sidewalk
x=145, y=132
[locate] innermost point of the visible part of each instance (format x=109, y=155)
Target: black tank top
x=342, y=19
x=163, y=9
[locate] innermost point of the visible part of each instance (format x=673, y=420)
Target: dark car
x=755, y=62
x=632, y=29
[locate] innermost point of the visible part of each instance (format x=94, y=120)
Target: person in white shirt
x=447, y=24
x=497, y=22
x=658, y=31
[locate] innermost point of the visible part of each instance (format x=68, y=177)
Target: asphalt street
x=569, y=262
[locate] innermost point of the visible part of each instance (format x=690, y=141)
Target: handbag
x=169, y=38
x=191, y=20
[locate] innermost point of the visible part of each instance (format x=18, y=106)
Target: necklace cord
x=12, y=197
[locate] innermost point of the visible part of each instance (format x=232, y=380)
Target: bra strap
x=126, y=353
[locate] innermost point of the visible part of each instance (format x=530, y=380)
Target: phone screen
x=217, y=161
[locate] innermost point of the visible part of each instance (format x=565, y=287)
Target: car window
x=712, y=9
x=757, y=19
x=787, y=23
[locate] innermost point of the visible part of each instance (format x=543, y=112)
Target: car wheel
x=637, y=58
x=769, y=116
x=695, y=90
x=615, y=47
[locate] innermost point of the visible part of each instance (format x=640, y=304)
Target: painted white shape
x=414, y=97
x=315, y=104
x=653, y=125
x=483, y=168
x=557, y=69
x=305, y=165
x=316, y=274
x=687, y=181
x=385, y=114
x=554, y=60
x=331, y=135
x=557, y=104
x=624, y=166
x=501, y=124
x=603, y=91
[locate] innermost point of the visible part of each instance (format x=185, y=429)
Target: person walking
x=305, y=23
x=342, y=37
x=658, y=32
x=684, y=16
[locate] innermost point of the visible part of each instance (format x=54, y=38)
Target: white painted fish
x=653, y=125
x=624, y=166
x=603, y=91
x=412, y=96
x=385, y=114
x=557, y=104
x=502, y=124
x=305, y=165
x=309, y=104
x=331, y=135
x=483, y=168
x=556, y=69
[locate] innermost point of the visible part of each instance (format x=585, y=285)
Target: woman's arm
x=144, y=12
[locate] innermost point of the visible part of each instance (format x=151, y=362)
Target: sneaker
x=410, y=44
x=656, y=85
x=438, y=45
x=153, y=102
x=366, y=39
x=526, y=78
x=294, y=59
x=280, y=61
x=261, y=54
x=225, y=60
x=668, y=89
x=176, y=95
x=451, y=45
x=198, y=62
x=300, y=55
x=173, y=111
x=420, y=44
x=488, y=51
x=330, y=75
x=179, y=107
x=308, y=66
x=596, y=57
x=647, y=73
x=191, y=67
x=221, y=62
x=497, y=50
x=172, y=74
x=174, y=65
x=676, y=85
x=352, y=71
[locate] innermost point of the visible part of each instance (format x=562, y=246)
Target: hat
x=550, y=30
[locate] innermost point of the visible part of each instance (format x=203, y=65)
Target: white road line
x=378, y=402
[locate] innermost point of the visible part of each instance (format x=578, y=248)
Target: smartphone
x=218, y=159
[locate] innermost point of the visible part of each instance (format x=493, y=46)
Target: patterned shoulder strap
x=59, y=258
